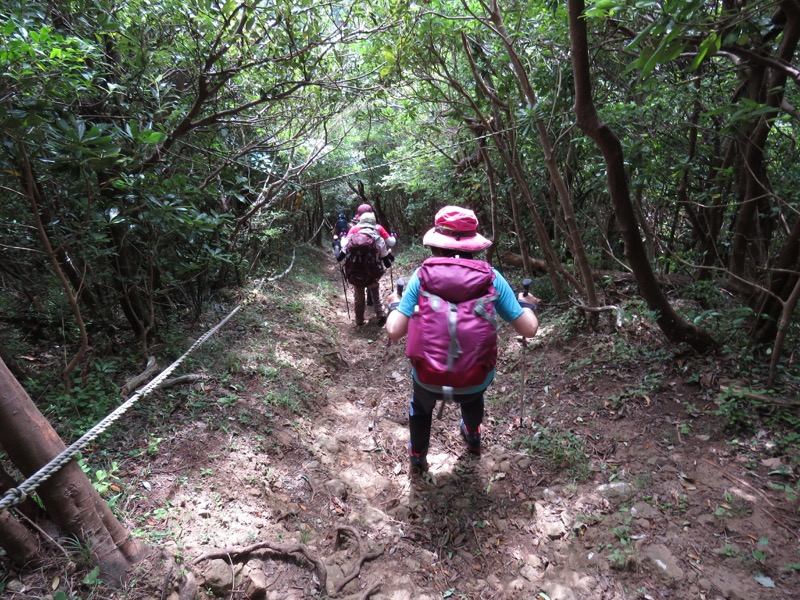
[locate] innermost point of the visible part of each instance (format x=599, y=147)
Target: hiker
x=340, y=229
x=389, y=239
x=452, y=335
x=366, y=254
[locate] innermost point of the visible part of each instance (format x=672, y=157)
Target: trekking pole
x=441, y=409
x=344, y=289
x=400, y=285
x=526, y=284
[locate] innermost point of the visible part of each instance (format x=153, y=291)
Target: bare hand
x=530, y=298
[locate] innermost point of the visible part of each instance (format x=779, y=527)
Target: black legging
x=420, y=414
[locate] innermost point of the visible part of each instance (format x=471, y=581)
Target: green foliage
x=92, y=578
x=706, y=305
x=91, y=398
x=79, y=550
x=621, y=556
x=560, y=450
x=102, y=480
x=650, y=383
x=743, y=409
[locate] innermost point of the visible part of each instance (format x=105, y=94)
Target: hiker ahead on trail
x=366, y=256
x=342, y=225
x=340, y=229
x=452, y=336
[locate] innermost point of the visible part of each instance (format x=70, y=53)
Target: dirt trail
x=624, y=498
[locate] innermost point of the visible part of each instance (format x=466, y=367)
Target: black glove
x=341, y=256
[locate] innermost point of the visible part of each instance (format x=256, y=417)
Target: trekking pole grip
x=526, y=286
x=401, y=284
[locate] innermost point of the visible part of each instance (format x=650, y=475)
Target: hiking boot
x=472, y=438
x=381, y=320
x=417, y=460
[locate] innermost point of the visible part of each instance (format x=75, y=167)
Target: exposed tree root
x=290, y=549
x=285, y=549
x=598, y=309
x=363, y=556
x=369, y=591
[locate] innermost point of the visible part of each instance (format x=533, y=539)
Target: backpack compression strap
x=480, y=310
x=454, y=350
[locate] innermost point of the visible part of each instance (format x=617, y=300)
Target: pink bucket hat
x=456, y=228
x=363, y=208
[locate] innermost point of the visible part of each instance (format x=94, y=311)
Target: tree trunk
x=783, y=328
x=18, y=541
x=554, y=266
x=490, y=176
x=319, y=217
x=783, y=281
x=674, y=327
x=573, y=232
x=68, y=496
x=504, y=143
x=755, y=221
x=29, y=508
x=31, y=192
x=521, y=239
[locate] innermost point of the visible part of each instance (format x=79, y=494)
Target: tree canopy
x=156, y=152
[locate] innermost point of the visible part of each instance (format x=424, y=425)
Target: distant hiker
x=452, y=336
x=362, y=208
x=366, y=254
x=390, y=239
x=340, y=229
x=342, y=225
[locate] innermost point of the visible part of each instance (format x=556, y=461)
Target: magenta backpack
x=362, y=263
x=452, y=338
